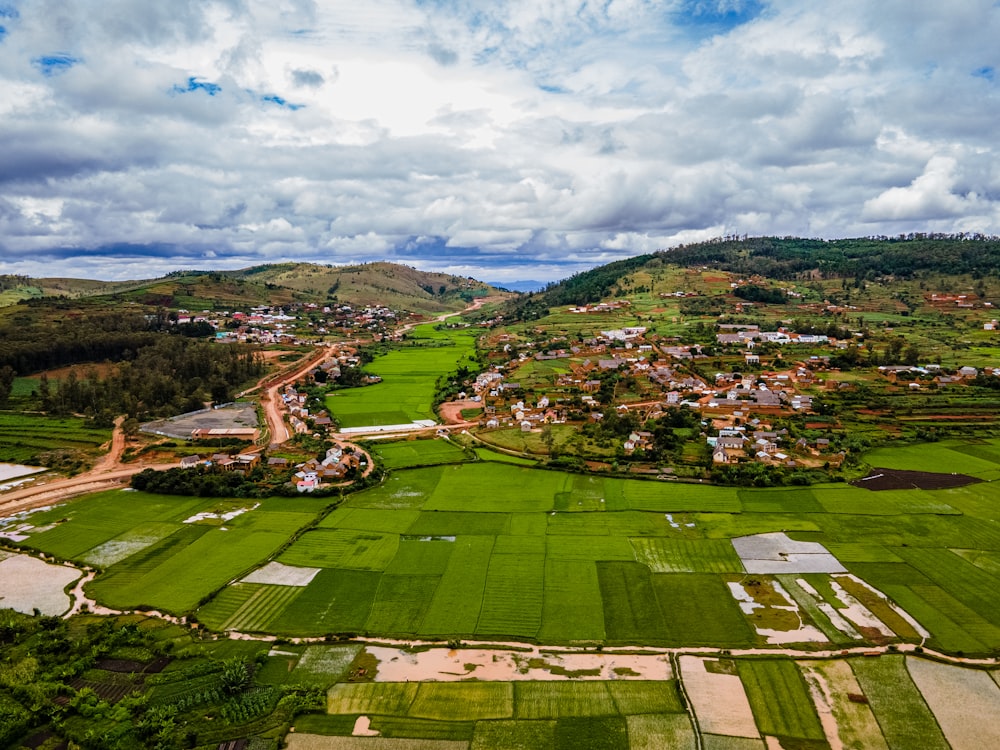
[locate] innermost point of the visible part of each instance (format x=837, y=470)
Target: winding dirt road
x=108, y=473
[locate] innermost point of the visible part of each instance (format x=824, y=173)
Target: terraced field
x=31, y=439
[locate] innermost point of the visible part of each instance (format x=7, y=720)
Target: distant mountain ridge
x=529, y=285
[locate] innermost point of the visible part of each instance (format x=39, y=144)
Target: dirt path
x=108, y=473
x=113, y=458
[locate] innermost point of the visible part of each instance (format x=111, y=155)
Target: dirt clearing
x=900, y=479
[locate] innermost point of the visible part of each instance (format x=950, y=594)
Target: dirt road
x=271, y=399
x=48, y=493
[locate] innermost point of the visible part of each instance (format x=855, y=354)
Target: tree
x=7, y=375
x=235, y=676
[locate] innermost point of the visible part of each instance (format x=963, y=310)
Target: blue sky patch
x=280, y=101
x=8, y=11
x=193, y=84
x=987, y=72
x=710, y=17
x=52, y=65
x=3, y=33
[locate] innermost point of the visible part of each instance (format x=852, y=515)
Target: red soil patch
x=898, y=479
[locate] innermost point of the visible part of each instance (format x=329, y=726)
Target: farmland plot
x=687, y=556
x=571, y=590
x=698, y=609
x=370, y=519
x=512, y=599
x=324, y=665
x=718, y=697
x=464, y=701
x=965, y=702
x=898, y=705
x=336, y=601
x=385, y=698
x=677, y=497
x=514, y=735
x=248, y=607
x=400, y=603
x=631, y=610
x=418, y=453
x=780, y=699
x=654, y=732
x=561, y=699
x=342, y=548
x=457, y=601
x=849, y=722
x=496, y=488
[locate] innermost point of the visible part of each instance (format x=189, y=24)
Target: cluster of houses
x=298, y=412
x=314, y=473
x=734, y=444
x=272, y=325
x=243, y=463
x=601, y=307
x=747, y=335
x=911, y=375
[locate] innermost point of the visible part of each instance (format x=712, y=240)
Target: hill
x=784, y=259
x=396, y=286
x=393, y=285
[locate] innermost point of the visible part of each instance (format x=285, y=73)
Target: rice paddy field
x=410, y=375
x=501, y=552
x=490, y=550
x=412, y=453
x=890, y=702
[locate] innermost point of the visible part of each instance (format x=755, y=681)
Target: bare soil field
x=719, y=700
x=965, y=702
x=899, y=479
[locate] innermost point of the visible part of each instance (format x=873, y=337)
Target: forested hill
x=788, y=258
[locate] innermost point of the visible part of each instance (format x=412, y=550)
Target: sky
x=524, y=139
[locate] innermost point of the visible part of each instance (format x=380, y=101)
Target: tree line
x=169, y=376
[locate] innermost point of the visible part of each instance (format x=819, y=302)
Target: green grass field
x=410, y=453
x=409, y=376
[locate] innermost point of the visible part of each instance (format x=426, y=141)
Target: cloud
x=508, y=137
x=929, y=196
x=307, y=78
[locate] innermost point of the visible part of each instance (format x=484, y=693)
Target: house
x=190, y=461
x=722, y=456
x=248, y=461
